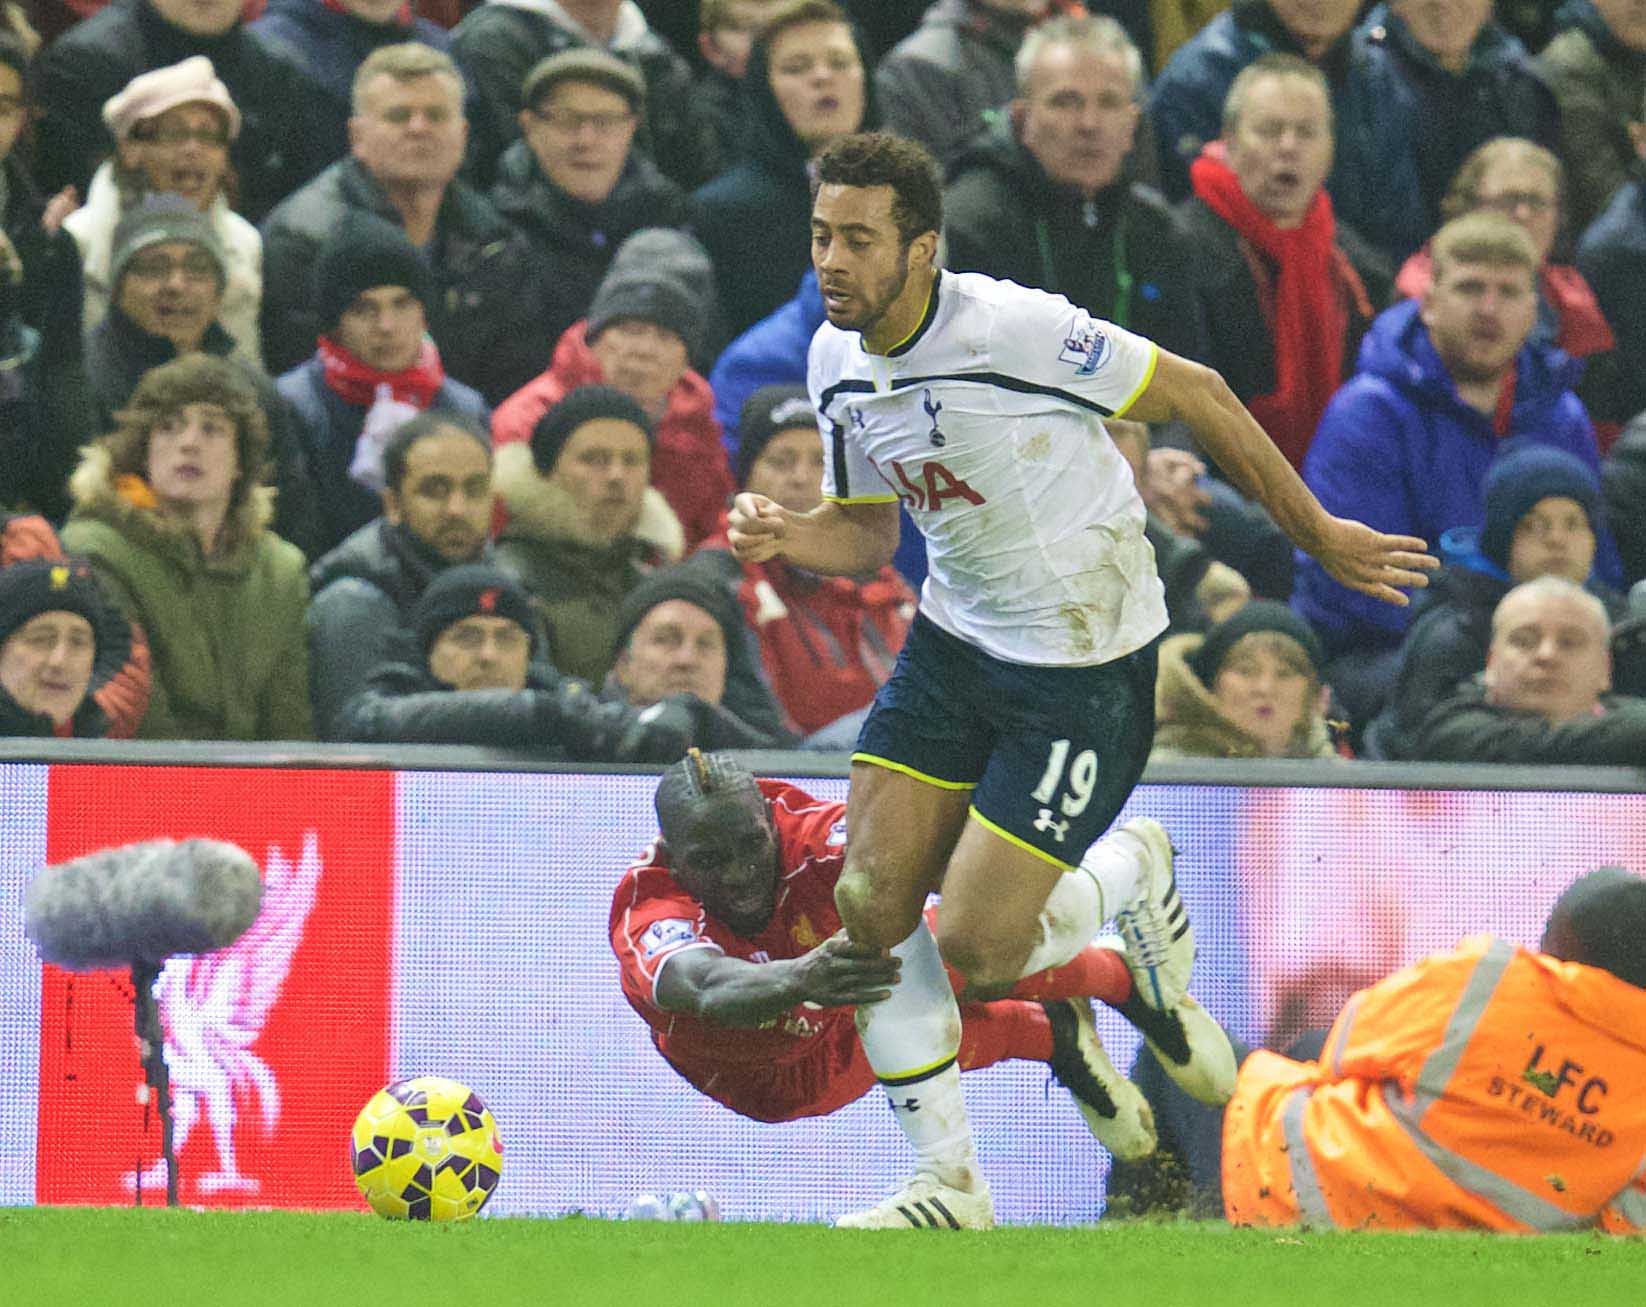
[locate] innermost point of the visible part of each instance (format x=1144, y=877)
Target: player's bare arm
x=1383, y=566
x=833, y=539
x=732, y=992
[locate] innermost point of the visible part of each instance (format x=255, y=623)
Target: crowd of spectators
x=382, y=371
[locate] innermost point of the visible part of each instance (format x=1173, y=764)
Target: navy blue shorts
x=1050, y=753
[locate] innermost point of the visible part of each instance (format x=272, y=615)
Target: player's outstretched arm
x=732, y=992
x=1364, y=559
x=834, y=539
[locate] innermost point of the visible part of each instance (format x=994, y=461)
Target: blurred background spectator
x=807, y=84
x=574, y=184
x=171, y=513
x=61, y=642
x=584, y=525
x=437, y=508
x=478, y=679
x=45, y=407
x=499, y=43
x=1542, y=517
x=330, y=39
x=374, y=368
x=681, y=633
x=281, y=141
x=827, y=643
x=406, y=139
x=1596, y=65
x=1544, y=696
x=1043, y=198
x=1525, y=182
x=172, y=131
x=1250, y=687
x=647, y=320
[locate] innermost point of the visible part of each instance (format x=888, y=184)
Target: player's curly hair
x=695, y=778
x=881, y=159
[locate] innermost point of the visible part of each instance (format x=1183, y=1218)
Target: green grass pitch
x=113, y=1257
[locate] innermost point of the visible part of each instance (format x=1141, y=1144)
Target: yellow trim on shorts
x=1021, y=843
x=860, y=499
x=1148, y=376
x=874, y=760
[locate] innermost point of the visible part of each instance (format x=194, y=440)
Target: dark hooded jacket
x=939, y=81
x=1612, y=258
x=1434, y=118
x=574, y=241
x=1122, y=257
x=1400, y=450
x=41, y=430
x=755, y=218
x=1598, y=82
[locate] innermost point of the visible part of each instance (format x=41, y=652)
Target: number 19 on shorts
x=1080, y=777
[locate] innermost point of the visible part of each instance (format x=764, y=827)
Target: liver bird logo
x=213, y=1008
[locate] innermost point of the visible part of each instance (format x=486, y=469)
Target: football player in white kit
x=1021, y=710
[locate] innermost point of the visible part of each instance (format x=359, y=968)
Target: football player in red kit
x=732, y=951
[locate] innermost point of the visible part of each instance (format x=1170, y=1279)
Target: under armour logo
x=855, y=416
x=933, y=408
x=907, y=1105
x=1045, y=822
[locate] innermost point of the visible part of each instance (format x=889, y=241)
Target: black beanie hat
x=585, y=404
x=37, y=586
x=472, y=590
x=766, y=412
x=1251, y=617
x=364, y=251
x=1601, y=921
x=680, y=582
x=1519, y=480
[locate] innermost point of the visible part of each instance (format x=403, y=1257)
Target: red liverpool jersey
x=653, y=919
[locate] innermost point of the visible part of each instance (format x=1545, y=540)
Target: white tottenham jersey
x=987, y=425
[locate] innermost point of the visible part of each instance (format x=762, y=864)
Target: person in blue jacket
x=1445, y=386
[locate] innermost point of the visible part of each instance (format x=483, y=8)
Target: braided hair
x=697, y=779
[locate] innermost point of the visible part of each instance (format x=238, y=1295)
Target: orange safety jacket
x=1486, y=1088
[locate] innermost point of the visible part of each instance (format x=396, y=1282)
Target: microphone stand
x=151, y=1039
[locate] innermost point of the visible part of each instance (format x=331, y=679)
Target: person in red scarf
x=374, y=368
x=1525, y=183
x=1288, y=291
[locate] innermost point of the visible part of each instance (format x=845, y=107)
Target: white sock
x=911, y=1040
x=1083, y=899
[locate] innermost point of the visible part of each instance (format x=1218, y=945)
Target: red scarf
x=355, y=383
x=1308, y=312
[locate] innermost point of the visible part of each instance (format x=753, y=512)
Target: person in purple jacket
x=1444, y=386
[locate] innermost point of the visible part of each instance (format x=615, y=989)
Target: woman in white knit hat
x=172, y=128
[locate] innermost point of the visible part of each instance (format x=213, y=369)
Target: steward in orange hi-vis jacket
x=1486, y=1088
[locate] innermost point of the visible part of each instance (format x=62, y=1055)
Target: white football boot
x=924, y=1204
x=1114, y=1109
x=1160, y=947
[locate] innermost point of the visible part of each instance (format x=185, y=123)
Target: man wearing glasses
x=575, y=184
